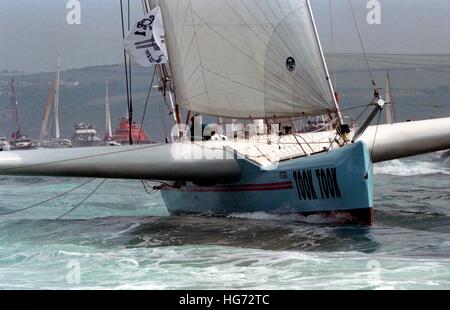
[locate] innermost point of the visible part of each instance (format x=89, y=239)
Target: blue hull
x=327, y=183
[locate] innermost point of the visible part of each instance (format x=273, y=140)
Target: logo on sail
x=145, y=43
x=290, y=64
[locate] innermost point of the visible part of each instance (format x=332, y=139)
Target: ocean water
x=123, y=238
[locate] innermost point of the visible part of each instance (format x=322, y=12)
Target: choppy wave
x=411, y=168
x=128, y=241
x=219, y=267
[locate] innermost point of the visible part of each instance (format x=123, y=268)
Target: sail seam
x=195, y=96
x=187, y=54
x=183, y=25
x=228, y=41
x=251, y=58
x=199, y=55
x=188, y=80
x=315, y=93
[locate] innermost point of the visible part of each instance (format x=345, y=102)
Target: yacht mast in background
x=14, y=109
x=108, y=127
x=56, y=104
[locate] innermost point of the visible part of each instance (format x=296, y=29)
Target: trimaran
x=262, y=62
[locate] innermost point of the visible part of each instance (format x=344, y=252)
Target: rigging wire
x=83, y=201
x=304, y=140
x=152, y=192
x=346, y=109
x=130, y=107
x=125, y=60
x=372, y=78
x=362, y=112
x=436, y=106
x=355, y=108
x=129, y=16
x=163, y=117
x=333, y=46
x=301, y=146
x=48, y=200
x=146, y=102
x=335, y=139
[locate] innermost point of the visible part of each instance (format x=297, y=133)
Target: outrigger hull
x=330, y=183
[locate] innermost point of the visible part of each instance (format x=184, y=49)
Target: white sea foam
x=124, y=231
x=312, y=219
x=218, y=267
x=410, y=168
x=128, y=263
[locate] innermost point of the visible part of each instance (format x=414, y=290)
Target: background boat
x=53, y=139
x=138, y=133
x=85, y=135
x=4, y=144
x=108, y=139
x=19, y=140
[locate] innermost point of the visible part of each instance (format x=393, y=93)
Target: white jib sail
x=246, y=58
x=145, y=43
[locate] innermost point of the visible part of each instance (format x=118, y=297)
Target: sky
x=34, y=32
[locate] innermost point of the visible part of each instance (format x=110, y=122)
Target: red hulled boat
x=138, y=133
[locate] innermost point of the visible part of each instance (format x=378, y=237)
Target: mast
x=390, y=116
x=327, y=74
x=163, y=70
x=14, y=107
x=56, y=104
x=108, y=127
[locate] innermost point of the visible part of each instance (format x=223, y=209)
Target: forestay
x=246, y=58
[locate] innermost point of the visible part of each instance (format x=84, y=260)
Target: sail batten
x=246, y=58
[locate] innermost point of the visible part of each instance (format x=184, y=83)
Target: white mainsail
x=246, y=58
